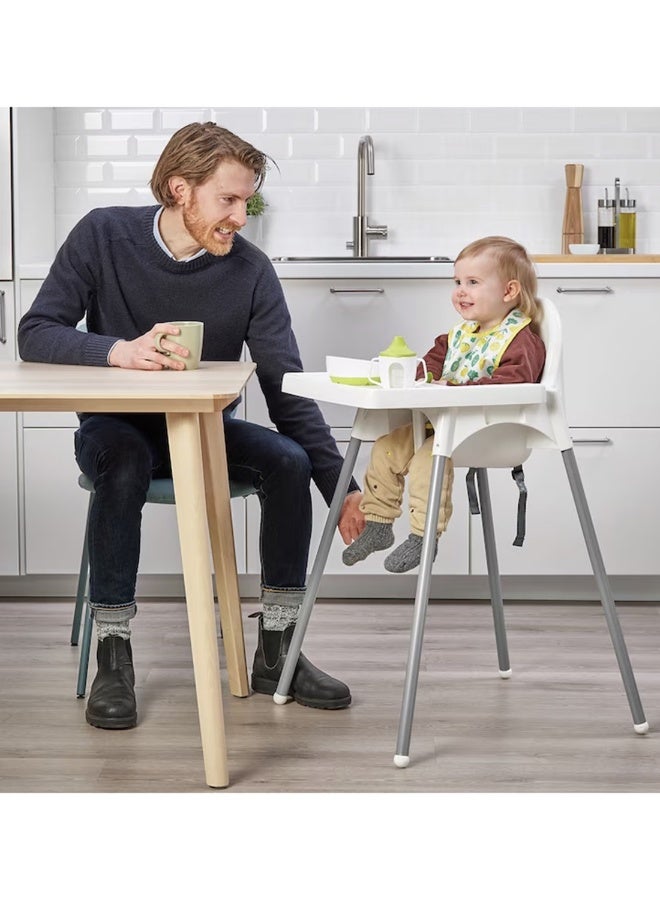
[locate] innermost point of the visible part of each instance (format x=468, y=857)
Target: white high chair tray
x=318, y=386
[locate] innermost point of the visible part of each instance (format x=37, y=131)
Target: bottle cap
x=607, y=204
x=628, y=204
x=398, y=347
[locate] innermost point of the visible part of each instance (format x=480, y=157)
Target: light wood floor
x=560, y=724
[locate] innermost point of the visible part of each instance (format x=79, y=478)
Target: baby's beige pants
x=392, y=458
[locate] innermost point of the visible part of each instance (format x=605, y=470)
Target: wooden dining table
x=192, y=402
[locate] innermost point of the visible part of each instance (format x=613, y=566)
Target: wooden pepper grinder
x=573, y=228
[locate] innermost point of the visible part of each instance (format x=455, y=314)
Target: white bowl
x=344, y=370
x=584, y=249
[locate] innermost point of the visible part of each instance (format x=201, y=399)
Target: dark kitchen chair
x=161, y=490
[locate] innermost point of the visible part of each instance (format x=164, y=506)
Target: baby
x=496, y=343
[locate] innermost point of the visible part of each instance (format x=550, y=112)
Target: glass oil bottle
x=606, y=224
x=628, y=223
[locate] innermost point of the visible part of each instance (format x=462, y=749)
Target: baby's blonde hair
x=514, y=264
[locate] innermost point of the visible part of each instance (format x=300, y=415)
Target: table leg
x=183, y=431
x=218, y=506
x=281, y=694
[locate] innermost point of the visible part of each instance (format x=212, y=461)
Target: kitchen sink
x=361, y=259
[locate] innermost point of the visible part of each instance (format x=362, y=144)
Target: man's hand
x=351, y=520
x=142, y=353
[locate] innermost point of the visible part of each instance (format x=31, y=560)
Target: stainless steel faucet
x=362, y=230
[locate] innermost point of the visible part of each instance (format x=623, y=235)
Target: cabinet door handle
x=357, y=290
x=603, y=290
x=604, y=440
x=3, y=327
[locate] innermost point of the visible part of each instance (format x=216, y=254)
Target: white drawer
x=611, y=374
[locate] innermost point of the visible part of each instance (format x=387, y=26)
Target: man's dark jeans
x=122, y=453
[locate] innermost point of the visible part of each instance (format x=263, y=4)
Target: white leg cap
x=280, y=699
x=505, y=673
x=641, y=729
x=401, y=761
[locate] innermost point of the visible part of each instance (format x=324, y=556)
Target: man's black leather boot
x=309, y=687
x=111, y=701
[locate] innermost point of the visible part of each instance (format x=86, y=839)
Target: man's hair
x=194, y=152
x=513, y=264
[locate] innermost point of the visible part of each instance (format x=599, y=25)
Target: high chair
x=479, y=427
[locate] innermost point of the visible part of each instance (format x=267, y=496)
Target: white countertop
x=390, y=269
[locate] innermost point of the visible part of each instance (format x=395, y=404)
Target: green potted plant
x=256, y=205
x=253, y=228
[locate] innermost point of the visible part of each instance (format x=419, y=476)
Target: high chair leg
x=401, y=757
x=493, y=573
x=606, y=598
x=281, y=695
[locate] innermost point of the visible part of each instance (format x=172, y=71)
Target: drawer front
x=605, y=324
x=617, y=467
x=358, y=318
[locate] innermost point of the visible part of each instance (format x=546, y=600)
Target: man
x=130, y=272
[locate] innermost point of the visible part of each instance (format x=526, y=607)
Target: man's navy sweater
x=112, y=272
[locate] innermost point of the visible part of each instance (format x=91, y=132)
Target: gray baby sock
x=375, y=536
x=407, y=555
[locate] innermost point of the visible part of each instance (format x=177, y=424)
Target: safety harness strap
x=519, y=477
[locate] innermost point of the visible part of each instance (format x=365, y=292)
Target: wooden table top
x=28, y=386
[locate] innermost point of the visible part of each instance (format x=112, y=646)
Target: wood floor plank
x=560, y=724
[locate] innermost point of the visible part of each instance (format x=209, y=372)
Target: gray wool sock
x=375, y=536
x=112, y=620
x=407, y=555
x=120, y=629
x=278, y=618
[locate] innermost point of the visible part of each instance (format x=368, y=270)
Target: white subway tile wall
x=443, y=176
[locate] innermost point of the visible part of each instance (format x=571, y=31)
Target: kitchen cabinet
x=601, y=318
x=9, y=473
x=618, y=467
x=452, y=558
x=55, y=505
x=359, y=317
x=6, y=266
x=616, y=429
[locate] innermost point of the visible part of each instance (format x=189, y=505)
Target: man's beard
x=203, y=233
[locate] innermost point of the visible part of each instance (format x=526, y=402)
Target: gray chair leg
x=281, y=695
x=493, y=573
x=81, y=604
x=83, y=576
x=85, y=646
x=606, y=598
x=401, y=757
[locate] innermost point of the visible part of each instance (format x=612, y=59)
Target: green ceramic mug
x=190, y=336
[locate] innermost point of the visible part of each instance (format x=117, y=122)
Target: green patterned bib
x=473, y=354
